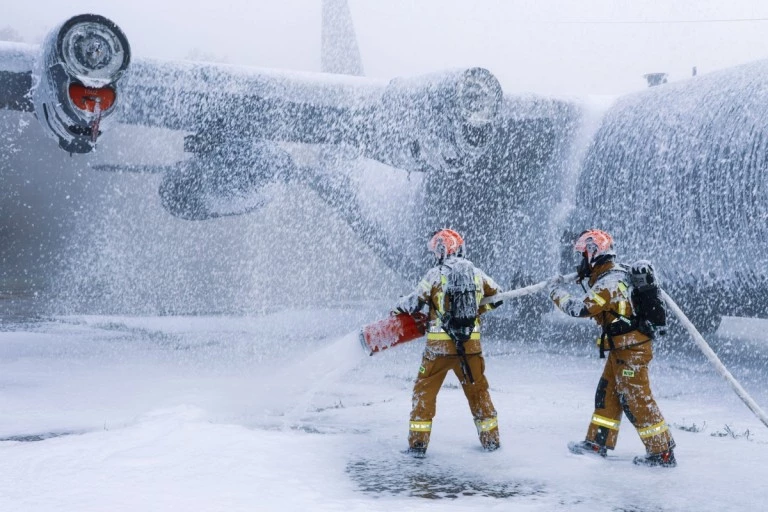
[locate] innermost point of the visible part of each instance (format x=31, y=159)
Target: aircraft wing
x=230, y=103
x=79, y=79
x=455, y=125
x=16, y=62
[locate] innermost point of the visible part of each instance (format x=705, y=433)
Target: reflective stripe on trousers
x=653, y=430
x=421, y=426
x=602, y=421
x=486, y=425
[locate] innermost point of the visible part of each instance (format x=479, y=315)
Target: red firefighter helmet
x=593, y=243
x=446, y=242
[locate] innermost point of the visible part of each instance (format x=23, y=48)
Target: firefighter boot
x=418, y=442
x=488, y=432
x=418, y=450
x=664, y=459
x=490, y=440
x=582, y=447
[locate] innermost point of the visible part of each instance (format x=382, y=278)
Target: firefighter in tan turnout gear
x=624, y=387
x=452, y=290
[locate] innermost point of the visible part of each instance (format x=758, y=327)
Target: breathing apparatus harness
x=459, y=322
x=622, y=324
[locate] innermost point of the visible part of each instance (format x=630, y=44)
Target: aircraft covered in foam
x=673, y=172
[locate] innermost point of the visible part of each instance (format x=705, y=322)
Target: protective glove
x=558, y=293
x=397, y=311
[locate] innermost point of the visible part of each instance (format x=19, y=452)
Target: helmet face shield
x=590, y=250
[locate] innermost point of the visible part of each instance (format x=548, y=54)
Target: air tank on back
x=677, y=174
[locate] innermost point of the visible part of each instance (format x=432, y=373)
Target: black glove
x=494, y=305
x=397, y=311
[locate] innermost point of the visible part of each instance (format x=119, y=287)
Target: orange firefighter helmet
x=446, y=242
x=594, y=243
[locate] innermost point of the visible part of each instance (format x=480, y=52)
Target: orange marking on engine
x=87, y=98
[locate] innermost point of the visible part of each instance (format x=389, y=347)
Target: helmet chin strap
x=584, y=270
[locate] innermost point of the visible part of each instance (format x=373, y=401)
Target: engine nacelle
x=76, y=79
x=442, y=121
x=224, y=182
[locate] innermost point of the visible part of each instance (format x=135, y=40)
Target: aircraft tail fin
x=339, y=51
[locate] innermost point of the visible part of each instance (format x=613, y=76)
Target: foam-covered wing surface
x=245, y=102
x=16, y=61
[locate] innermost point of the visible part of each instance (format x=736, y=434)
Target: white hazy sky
x=544, y=46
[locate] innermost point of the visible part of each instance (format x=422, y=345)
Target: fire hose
x=527, y=290
x=712, y=357
x=695, y=334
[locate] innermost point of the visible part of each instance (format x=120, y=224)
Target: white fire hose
x=719, y=366
x=528, y=290
x=695, y=334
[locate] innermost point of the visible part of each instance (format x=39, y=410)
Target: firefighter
x=624, y=386
x=445, y=350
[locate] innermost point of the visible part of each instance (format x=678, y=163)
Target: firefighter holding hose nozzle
x=452, y=290
x=624, y=387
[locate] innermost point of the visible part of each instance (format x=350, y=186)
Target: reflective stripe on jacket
x=606, y=301
x=431, y=291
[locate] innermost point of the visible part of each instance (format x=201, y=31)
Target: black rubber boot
x=417, y=451
x=664, y=459
x=587, y=447
x=490, y=440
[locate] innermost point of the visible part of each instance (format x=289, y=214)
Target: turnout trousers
x=624, y=388
x=431, y=375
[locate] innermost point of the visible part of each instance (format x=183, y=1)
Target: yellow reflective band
x=441, y=295
x=443, y=336
x=436, y=327
x=421, y=426
x=623, y=308
x=478, y=288
x=622, y=288
x=440, y=304
x=486, y=425
x=564, y=298
x=653, y=430
x=602, y=421
x=600, y=301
